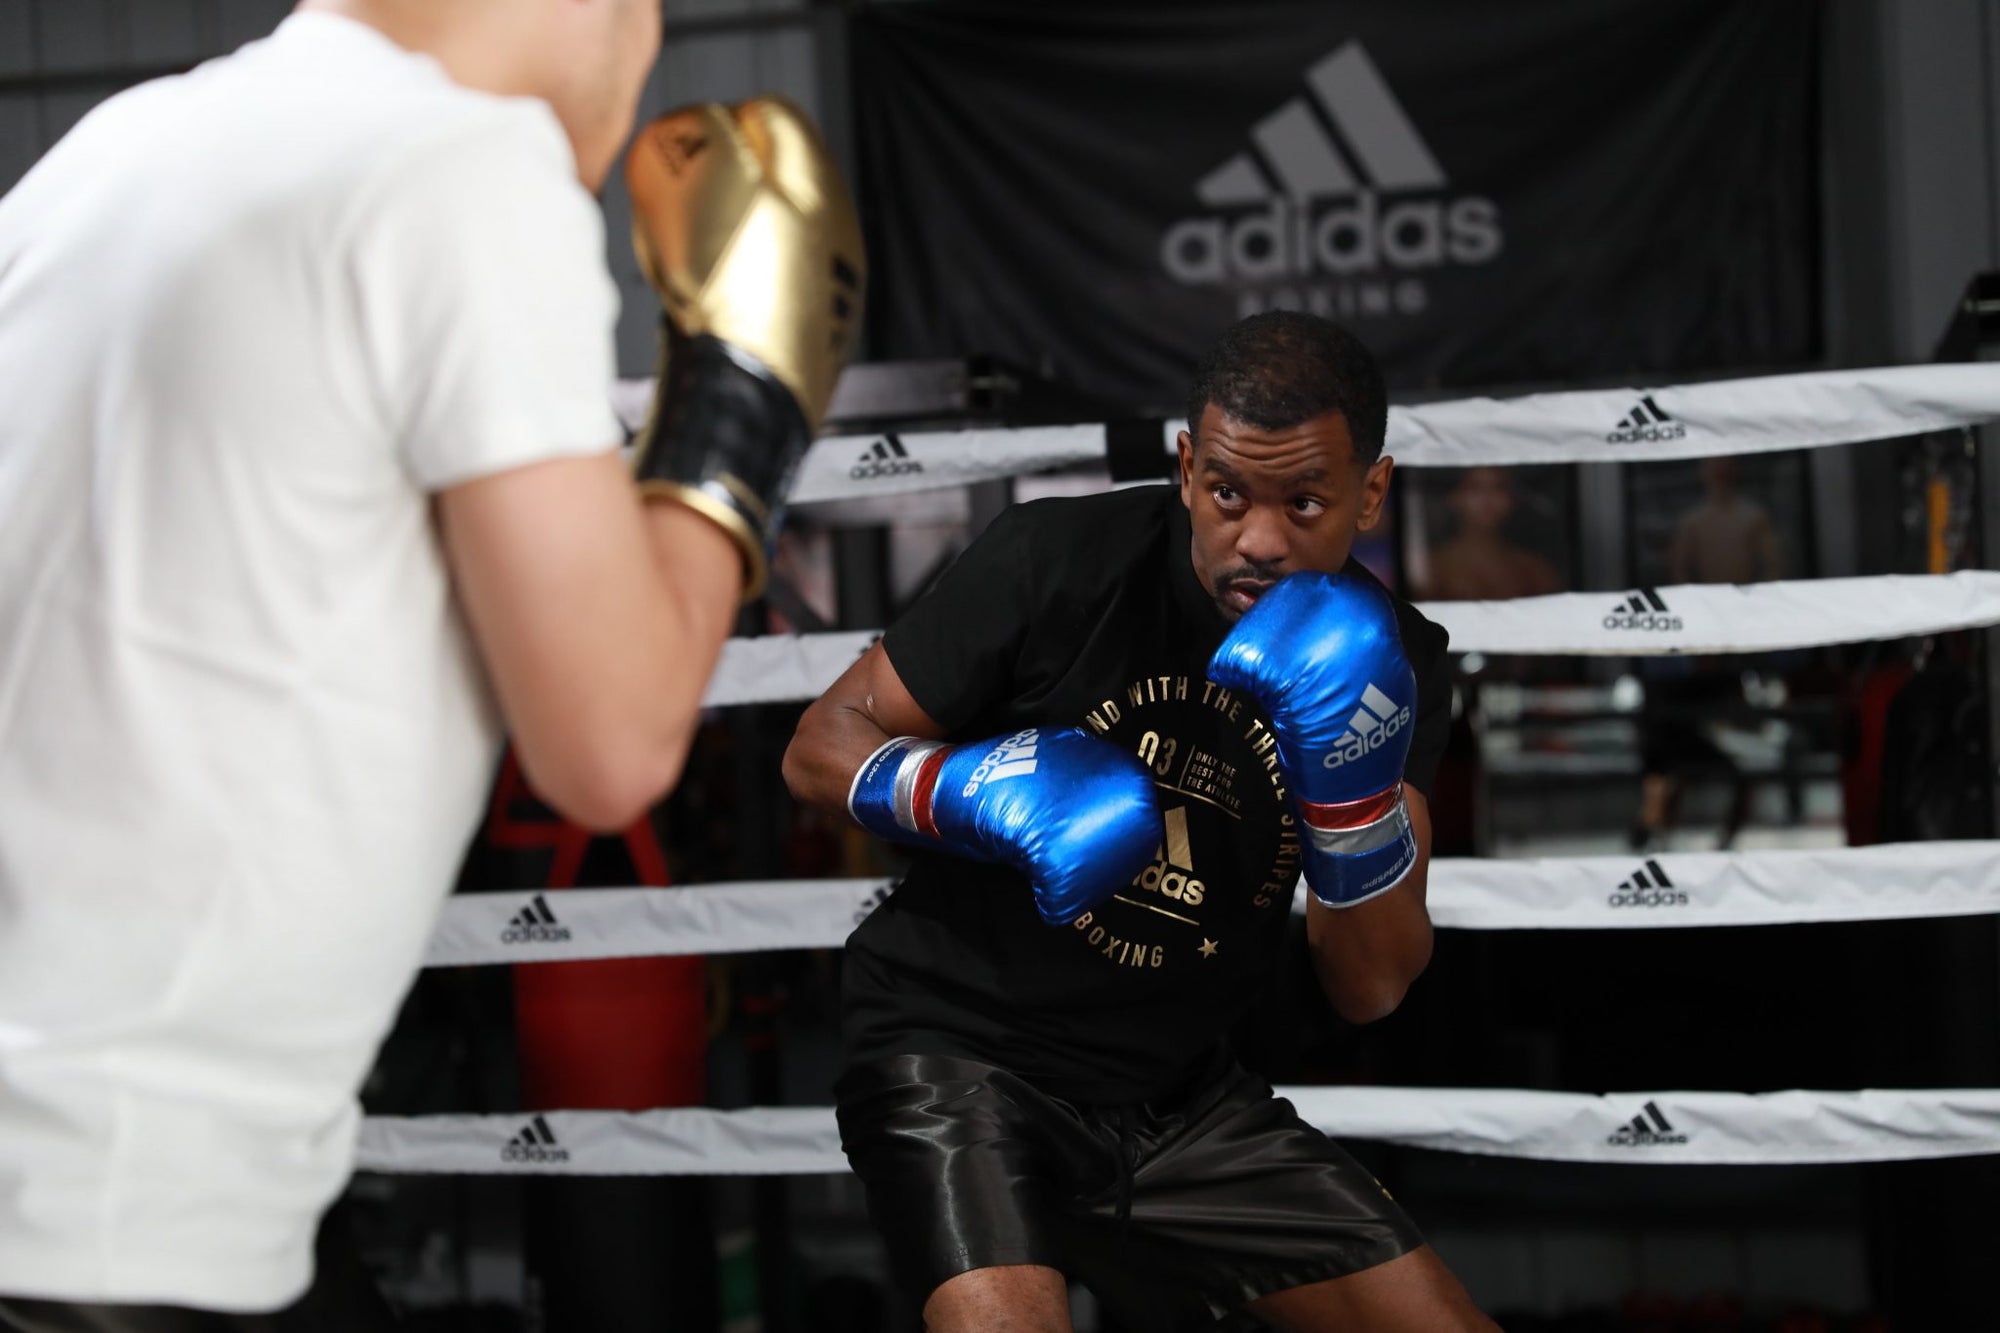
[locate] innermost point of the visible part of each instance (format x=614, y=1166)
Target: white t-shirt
x=249, y=319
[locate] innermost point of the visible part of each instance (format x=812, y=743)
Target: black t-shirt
x=1087, y=612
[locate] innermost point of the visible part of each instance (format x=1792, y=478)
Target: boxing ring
x=1638, y=891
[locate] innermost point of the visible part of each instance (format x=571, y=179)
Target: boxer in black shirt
x=1038, y=1082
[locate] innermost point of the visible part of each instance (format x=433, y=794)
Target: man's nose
x=1263, y=537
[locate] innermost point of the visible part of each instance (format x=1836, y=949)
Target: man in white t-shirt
x=309, y=483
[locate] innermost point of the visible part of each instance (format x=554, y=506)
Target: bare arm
x=867, y=706
x=600, y=619
x=1366, y=956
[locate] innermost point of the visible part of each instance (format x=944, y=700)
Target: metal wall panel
x=20, y=134
x=166, y=32
x=1941, y=219
x=234, y=22
x=78, y=35
x=17, y=37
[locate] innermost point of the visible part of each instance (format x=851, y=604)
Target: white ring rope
x=1759, y=415
x=1725, y=618
x=1687, y=618
x=1886, y=883
x=1659, y=1128
x=1851, y=884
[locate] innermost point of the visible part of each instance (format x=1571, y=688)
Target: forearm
x=1367, y=956
x=863, y=710
x=599, y=620
x=693, y=603
x=833, y=741
x=608, y=749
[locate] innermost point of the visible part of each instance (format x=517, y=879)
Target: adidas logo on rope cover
x=1648, y=887
x=535, y=924
x=1647, y=1128
x=1647, y=421
x=888, y=458
x=1642, y=609
x=535, y=1143
x=1369, y=729
x=1345, y=139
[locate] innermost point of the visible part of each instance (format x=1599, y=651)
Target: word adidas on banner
x=536, y=1143
x=1372, y=726
x=1648, y=887
x=1348, y=140
x=888, y=458
x=1646, y=1129
x=1646, y=422
x=535, y=924
x=1643, y=609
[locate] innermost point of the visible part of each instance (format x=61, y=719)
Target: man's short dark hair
x=1284, y=367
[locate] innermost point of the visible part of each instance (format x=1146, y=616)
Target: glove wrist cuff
x=725, y=438
x=1349, y=863
x=891, y=795
x=1345, y=815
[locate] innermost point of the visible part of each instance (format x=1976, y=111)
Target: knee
x=1010, y=1298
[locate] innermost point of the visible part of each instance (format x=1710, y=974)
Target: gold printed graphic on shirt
x=1154, y=689
x=1222, y=701
x=1171, y=874
x=1284, y=876
x=1123, y=951
x=1205, y=747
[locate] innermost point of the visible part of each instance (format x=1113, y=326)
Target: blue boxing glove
x=1321, y=653
x=1073, y=813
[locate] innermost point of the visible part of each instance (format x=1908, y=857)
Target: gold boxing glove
x=743, y=225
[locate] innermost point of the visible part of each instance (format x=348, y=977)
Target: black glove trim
x=725, y=438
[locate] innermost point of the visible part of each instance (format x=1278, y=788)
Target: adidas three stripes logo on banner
x=1648, y=887
x=1647, y=1128
x=535, y=1143
x=1647, y=421
x=534, y=923
x=1336, y=185
x=887, y=458
x=1642, y=609
x=1304, y=157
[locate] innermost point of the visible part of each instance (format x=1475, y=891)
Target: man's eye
x=1225, y=495
x=1308, y=506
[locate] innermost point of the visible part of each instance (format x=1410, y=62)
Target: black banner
x=1487, y=193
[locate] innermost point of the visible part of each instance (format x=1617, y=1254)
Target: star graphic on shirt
x=1208, y=947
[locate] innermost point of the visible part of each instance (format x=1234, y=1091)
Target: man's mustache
x=1248, y=573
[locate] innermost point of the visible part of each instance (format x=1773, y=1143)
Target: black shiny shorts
x=1172, y=1213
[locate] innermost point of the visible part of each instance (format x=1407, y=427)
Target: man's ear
x=1375, y=492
